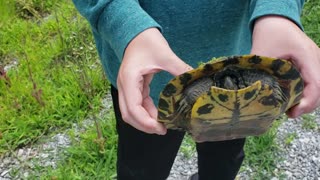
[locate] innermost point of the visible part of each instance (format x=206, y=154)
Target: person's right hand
x=279, y=37
x=147, y=54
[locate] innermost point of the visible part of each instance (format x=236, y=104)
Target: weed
x=309, y=121
x=33, y=9
x=289, y=138
x=260, y=153
x=188, y=147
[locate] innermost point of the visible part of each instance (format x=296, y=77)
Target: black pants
x=144, y=156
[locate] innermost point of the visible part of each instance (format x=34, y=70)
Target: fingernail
x=161, y=131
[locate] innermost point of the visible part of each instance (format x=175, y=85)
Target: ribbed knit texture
x=196, y=30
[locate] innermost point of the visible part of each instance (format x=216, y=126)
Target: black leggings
x=144, y=156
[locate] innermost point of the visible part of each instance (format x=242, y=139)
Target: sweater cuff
x=290, y=9
x=121, y=21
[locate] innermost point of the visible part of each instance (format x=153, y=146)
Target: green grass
x=188, y=147
x=59, y=81
x=311, y=19
x=309, y=122
x=260, y=153
x=290, y=137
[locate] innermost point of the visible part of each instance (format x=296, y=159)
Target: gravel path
x=301, y=157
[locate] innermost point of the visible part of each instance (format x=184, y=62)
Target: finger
x=147, y=101
x=134, y=113
x=150, y=107
x=146, y=123
x=124, y=111
x=307, y=104
x=139, y=118
x=175, y=66
x=311, y=94
x=122, y=104
x=142, y=120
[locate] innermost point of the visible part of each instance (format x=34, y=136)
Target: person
x=143, y=44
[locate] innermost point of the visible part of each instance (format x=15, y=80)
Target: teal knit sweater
x=196, y=30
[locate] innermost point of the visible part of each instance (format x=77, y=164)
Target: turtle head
x=229, y=83
x=229, y=78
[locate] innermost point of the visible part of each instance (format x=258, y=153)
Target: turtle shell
x=230, y=97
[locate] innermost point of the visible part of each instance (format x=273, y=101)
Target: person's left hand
x=278, y=37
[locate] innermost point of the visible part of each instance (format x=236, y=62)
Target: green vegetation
x=309, y=121
x=188, y=147
x=260, y=153
x=58, y=81
x=90, y=156
x=290, y=137
x=311, y=20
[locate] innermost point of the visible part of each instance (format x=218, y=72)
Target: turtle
x=230, y=97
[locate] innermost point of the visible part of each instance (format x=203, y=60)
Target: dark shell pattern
x=214, y=113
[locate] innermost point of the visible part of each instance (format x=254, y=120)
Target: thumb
x=175, y=66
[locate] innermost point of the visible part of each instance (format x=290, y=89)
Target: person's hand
x=146, y=54
x=279, y=37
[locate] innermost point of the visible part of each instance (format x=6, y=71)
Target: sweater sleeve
x=116, y=21
x=290, y=9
